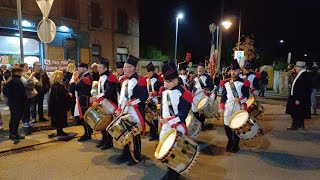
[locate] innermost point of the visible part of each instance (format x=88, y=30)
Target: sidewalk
x=38, y=138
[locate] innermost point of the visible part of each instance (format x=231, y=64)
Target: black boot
x=125, y=156
x=107, y=142
x=235, y=143
x=87, y=132
x=60, y=132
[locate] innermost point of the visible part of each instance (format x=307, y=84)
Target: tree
x=247, y=45
x=151, y=52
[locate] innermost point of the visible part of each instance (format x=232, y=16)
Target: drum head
x=238, y=119
x=166, y=144
x=250, y=101
x=202, y=102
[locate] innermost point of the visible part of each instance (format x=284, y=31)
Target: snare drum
x=193, y=125
x=244, y=125
x=208, y=107
x=97, y=117
x=254, y=107
x=177, y=151
x=123, y=128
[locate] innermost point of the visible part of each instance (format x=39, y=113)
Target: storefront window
x=10, y=49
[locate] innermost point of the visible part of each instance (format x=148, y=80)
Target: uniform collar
x=135, y=75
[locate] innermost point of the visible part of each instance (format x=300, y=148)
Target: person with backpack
x=15, y=91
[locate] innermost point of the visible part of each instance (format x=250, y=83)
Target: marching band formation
x=173, y=105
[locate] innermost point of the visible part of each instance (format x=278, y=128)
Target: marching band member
x=235, y=93
x=107, y=90
x=154, y=82
x=81, y=82
x=251, y=76
x=176, y=103
x=183, y=74
x=200, y=86
x=132, y=100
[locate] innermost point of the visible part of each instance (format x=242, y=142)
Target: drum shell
x=182, y=153
x=97, y=118
x=193, y=125
x=123, y=129
x=248, y=130
x=209, y=109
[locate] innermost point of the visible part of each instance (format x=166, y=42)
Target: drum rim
x=207, y=102
x=162, y=140
x=251, y=97
x=235, y=114
x=115, y=120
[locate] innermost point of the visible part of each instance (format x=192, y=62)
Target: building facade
x=86, y=30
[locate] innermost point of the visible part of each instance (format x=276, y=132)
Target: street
x=282, y=155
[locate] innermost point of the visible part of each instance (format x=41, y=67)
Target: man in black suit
x=298, y=101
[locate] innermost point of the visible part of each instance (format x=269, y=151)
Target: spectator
x=263, y=82
x=42, y=88
x=29, y=83
x=58, y=103
x=299, y=98
x=15, y=92
x=94, y=72
x=315, y=88
x=67, y=77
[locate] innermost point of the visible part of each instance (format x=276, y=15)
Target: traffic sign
x=45, y=7
x=46, y=30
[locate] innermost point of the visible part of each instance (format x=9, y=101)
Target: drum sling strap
x=201, y=82
x=233, y=89
x=170, y=105
x=150, y=85
x=126, y=93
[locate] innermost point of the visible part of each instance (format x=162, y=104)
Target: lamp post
x=179, y=16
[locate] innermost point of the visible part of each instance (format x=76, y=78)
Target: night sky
x=295, y=21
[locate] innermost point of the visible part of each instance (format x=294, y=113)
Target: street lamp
x=281, y=41
x=226, y=24
x=179, y=16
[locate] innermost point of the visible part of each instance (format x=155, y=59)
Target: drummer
x=81, y=83
x=154, y=82
x=183, y=73
x=201, y=85
x=133, y=96
x=106, y=90
x=251, y=76
x=235, y=93
x=176, y=103
x=119, y=75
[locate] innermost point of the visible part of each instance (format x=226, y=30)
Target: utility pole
x=20, y=29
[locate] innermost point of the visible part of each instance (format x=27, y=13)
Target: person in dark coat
x=15, y=91
x=67, y=77
x=58, y=103
x=298, y=105
x=94, y=72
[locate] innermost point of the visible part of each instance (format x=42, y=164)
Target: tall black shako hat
x=202, y=64
x=119, y=65
x=183, y=66
x=104, y=62
x=150, y=67
x=132, y=60
x=169, y=70
x=235, y=65
x=247, y=65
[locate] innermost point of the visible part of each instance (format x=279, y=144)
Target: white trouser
x=230, y=107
